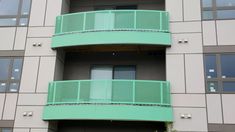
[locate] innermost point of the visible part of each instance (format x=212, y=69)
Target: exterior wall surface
x=183, y=65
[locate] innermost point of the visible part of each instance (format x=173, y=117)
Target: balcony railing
x=111, y=20
x=129, y=92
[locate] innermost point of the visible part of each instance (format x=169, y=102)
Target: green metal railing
x=132, y=92
x=109, y=20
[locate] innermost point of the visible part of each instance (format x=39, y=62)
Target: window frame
x=18, y=16
x=214, y=10
x=219, y=78
x=8, y=81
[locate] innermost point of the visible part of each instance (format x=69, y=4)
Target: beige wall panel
x=20, y=39
x=174, y=7
x=228, y=108
x=37, y=13
x=188, y=100
x=29, y=74
x=185, y=27
x=194, y=73
x=225, y=32
x=194, y=44
x=198, y=122
x=26, y=121
x=192, y=10
x=41, y=31
x=175, y=73
x=7, y=38
x=53, y=10
x=214, y=108
x=32, y=99
x=10, y=106
x=44, y=49
x=2, y=101
x=21, y=130
x=46, y=73
x=209, y=33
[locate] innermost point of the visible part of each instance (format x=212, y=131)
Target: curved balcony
x=109, y=100
x=145, y=27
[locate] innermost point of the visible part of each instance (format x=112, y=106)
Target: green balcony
x=133, y=100
x=108, y=27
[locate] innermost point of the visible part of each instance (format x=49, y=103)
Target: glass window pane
x=9, y=7
x=25, y=7
x=8, y=22
x=3, y=86
x=225, y=14
x=207, y=15
x=16, y=69
x=124, y=72
x=4, y=68
x=207, y=3
x=210, y=66
x=212, y=86
x=23, y=22
x=229, y=86
x=14, y=87
x=225, y=3
x=228, y=65
x=6, y=130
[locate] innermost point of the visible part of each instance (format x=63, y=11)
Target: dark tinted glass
x=9, y=7
x=124, y=72
x=3, y=86
x=4, y=68
x=16, y=69
x=228, y=65
x=207, y=3
x=229, y=86
x=210, y=66
x=225, y=14
x=14, y=87
x=225, y=3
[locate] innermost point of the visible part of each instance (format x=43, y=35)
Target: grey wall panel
x=175, y=9
x=20, y=39
x=7, y=38
x=226, y=32
x=2, y=103
x=188, y=100
x=53, y=9
x=228, y=104
x=38, y=9
x=192, y=10
x=209, y=33
x=214, y=108
x=10, y=106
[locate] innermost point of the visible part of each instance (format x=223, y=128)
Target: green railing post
x=61, y=24
x=133, y=91
x=135, y=19
x=78, y=94
x=84, y=22
x=54, y=93
x=160, y=21
x=161, y=92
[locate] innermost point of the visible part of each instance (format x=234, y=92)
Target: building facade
x=127, y=65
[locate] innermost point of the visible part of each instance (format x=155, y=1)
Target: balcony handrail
x=112, y=20
x=124, y=92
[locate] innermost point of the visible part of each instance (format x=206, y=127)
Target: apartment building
x=108, y=66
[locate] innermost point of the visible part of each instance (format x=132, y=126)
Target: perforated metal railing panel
x=136, y=20
x=109, y=91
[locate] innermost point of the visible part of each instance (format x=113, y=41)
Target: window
x=220, y=73
x=14, y=12
x=10, y=73
x=218, y=9
x=5, y=129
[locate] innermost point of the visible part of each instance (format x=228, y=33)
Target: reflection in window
x=14, y=12
x=10, y=74
x=212, y=86
x=124, y=72
x=210, y=65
